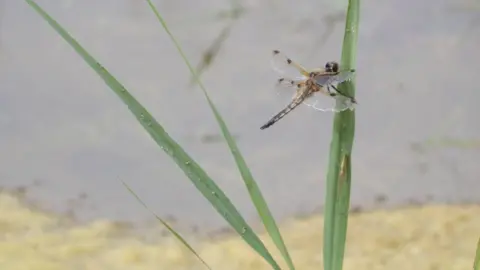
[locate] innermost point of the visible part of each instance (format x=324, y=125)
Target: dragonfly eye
x=331, y=66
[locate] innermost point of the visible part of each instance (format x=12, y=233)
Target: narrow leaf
x=194, y=172
x=164, y=223
x=252, y=187
x=476, y=262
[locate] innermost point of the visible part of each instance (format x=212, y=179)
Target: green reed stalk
x=339, y=167
x=252, y=187
x=476, y=262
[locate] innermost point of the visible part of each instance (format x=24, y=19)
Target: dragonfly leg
x=330, y=92
x=345, y=95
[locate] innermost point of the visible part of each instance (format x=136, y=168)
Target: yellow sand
x=432, y=237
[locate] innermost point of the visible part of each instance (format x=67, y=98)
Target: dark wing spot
x=276, y=51
x=292, y=82
x=298, y=85
x=289, y=61
x=281, y=80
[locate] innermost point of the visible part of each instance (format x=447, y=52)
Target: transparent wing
x=322, y=101
x=342, y=76
x=287, y=89
x=327, y=78
x=286, y=66
x=331, y=79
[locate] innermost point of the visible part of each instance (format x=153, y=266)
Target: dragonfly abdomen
x=285, y=111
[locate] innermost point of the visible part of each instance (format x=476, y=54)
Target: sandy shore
x=423, y=237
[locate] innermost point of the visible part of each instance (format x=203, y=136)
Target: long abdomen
x=285, y=111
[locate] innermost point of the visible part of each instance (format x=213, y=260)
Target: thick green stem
x=339, y=168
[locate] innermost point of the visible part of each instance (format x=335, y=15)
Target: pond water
x=67, y=141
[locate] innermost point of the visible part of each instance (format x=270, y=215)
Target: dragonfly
x=308, y=84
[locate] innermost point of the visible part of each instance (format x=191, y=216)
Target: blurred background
x=67, y=141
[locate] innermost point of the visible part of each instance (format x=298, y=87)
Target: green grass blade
x=164, y=223
x=252, y=187
x=194, y=172
x=339, y=167
x=476, y=262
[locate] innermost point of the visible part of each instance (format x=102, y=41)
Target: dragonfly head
x=331, y=66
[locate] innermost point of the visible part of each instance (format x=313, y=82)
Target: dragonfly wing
x=324, y=79
x=286, y=66
x=286, y=88
x=343, y=103
x=342, y=76
x=334, y=78
x=325, y=103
